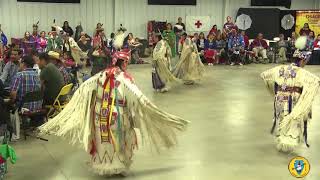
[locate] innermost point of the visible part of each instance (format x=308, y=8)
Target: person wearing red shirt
x=214, y=30
x=316, y=44
x=245, y=38
x=229, y=26
x=259, y=46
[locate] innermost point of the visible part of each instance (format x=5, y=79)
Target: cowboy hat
x=54, y=55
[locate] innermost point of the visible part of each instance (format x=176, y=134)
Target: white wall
x=134, y=14
x=16, y=18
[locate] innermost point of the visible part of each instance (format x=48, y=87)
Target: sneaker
x=240, y=64
x=232, y=64
x=163, y=90
x=15, y=138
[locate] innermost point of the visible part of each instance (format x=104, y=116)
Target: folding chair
x=61, y=101
x=31, y=118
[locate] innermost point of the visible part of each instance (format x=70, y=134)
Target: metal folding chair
x=61, y=101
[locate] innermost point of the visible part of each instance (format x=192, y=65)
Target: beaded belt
x=291, y=89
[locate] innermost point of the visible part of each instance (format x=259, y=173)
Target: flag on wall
x=198, y=23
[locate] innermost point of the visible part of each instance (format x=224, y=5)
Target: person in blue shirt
x=210, y=49
x=11, y=68
x=235, y=47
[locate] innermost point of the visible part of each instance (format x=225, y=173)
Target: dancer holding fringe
x=103, y=116
x=294, y=89
x=190, y=68
x=161, y=71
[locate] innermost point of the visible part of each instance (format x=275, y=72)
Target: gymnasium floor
x=228, y=138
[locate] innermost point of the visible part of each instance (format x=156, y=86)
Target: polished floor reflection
x=228, y=138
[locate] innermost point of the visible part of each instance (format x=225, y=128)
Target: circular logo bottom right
x=299, y=167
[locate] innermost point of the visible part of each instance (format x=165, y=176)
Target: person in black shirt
x=178, y=31
x=66, y=28
x=4, y=108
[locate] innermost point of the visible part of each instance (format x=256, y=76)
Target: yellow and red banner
x=311, y=17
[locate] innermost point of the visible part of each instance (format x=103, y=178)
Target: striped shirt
x=24, y=82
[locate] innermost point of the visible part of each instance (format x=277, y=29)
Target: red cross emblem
x=198, y=24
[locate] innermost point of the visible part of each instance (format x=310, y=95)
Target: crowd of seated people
x=226, y=46
x=41, y=62
x=232, y=46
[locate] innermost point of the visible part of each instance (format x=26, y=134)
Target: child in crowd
x=209, y=50
x=221, y=46
x=68, y=61
x=200, y=45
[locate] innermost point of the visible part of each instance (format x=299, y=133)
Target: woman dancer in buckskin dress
x=294, y=89
x=190, y=68
x=104, y=115
x=161, y=66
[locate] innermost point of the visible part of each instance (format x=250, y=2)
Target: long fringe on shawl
x=190, y=67
x=300, y=112
x=156, y=126
x=73, y=122
x=118, y=41
x=165, y=75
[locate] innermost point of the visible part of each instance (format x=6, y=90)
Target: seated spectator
x=56, y=60
x=4, y=108
x=27, y=37
x=84, y=44
x=51, y=79
x=68, y=61
x=195, y=37
x=291, y=44
x=246, y=39
x=305, y=29
x=316, y=44
x=315, y=57
x=292, y=41
x=282, y=45
x=11, y=68
x=310, y=41
x=214, y=30
x=201, y=42
x=235, y=47
x=259, y=46
x=26, y=81
x=201, y=45
x=209, y=50
x=219, y=32
x=88, y=38
x=221, y=46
